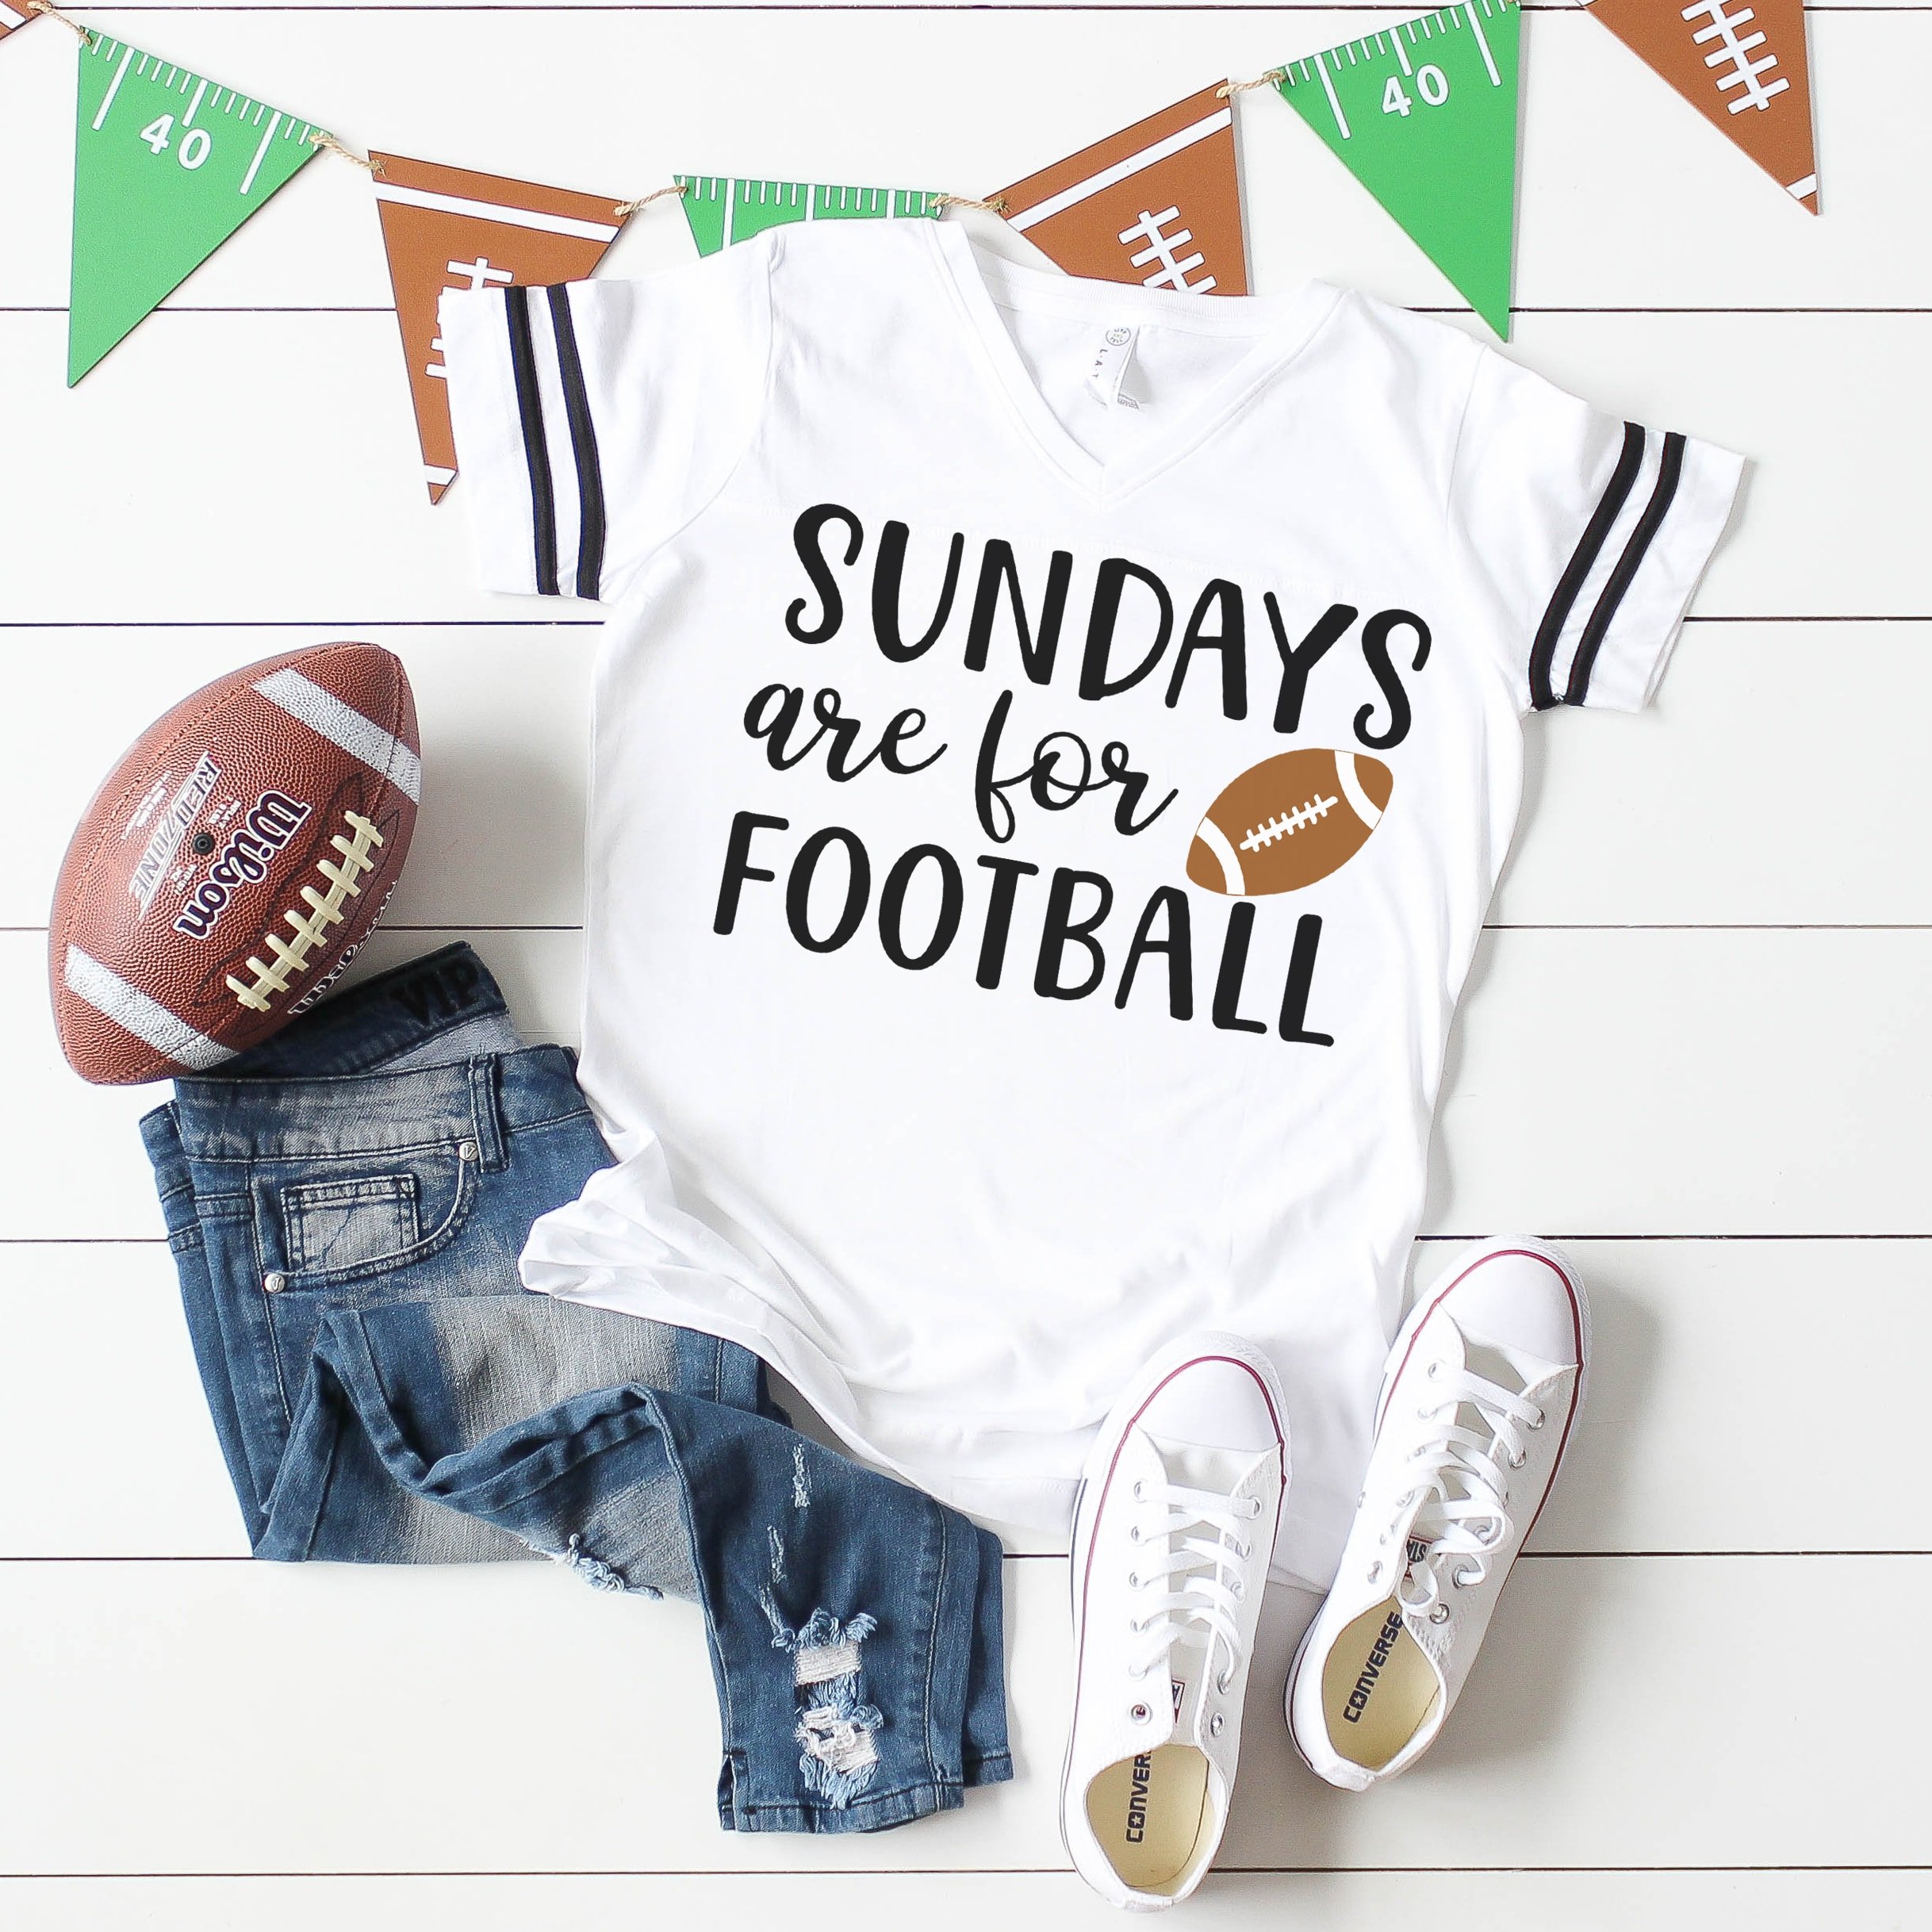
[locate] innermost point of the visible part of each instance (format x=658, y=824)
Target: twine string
x=1273, y=77
x=318, y=138
x=996, y=206
x=85, y=34
x=626, y=209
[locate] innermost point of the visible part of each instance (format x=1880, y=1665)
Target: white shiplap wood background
x=1696, y=1047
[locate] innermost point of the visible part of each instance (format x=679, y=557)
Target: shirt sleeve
x=594, y=419
x=1590, y=533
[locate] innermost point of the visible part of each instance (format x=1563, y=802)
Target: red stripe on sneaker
x=1576, y=1319
x=1086, y=1576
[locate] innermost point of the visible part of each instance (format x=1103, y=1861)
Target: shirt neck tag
x=1108, y=371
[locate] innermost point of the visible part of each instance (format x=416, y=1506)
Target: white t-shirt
x=947, y=1068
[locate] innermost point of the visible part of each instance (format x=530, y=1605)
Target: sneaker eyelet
x=1435, y=1370
x=1222, y=1684
x=1133, y=1580
x=1139, y=1712
x=1215, y=1724
x=1375, y=1573
x=1133, y=1533
x=1140, y=1492
x=1440, y=1614
x=1517, y=1461
x=1465, y=1579
x=1541, y=1419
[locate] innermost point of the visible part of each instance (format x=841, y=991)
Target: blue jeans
x=346, y=1205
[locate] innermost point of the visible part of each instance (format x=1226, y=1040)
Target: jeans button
x=274, y=1284
x=468, y=1151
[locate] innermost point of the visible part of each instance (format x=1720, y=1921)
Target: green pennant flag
x=721, y=209
x=166, y=166
x=1423, y=115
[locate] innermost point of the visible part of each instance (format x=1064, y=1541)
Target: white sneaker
x=1178, y=1508
x=1483, y=1388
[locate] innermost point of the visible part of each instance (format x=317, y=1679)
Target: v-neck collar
x=982, y=282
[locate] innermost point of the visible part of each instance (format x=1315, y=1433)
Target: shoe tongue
x=1201, y=1465
x=1513, y=1369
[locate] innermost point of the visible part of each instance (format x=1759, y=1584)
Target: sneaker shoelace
x=1193, y=1542
x=1462, y=1486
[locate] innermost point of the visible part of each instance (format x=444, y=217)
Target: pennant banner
x=722, y=209
x=448, y=227
x=1158, y=203
x=1743, y=67
x=167, y=165
x=1423, y=115
x=12, y=14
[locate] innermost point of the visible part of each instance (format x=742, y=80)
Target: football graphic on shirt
x=1288, y=821
x=231, y=861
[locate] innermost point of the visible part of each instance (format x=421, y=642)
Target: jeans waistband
x=480, y=1099
x=395, y=1014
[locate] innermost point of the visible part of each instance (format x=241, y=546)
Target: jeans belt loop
x=486, y=1113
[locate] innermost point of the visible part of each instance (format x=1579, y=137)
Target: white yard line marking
x=255, y=165
x=489, y=211
x=1081, y=191
x=1402, y=54
x=187, y=120
x=1496, y=79
x=1335, y=106
x=113, y=87
x=1801, y=189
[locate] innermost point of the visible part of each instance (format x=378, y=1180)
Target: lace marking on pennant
x=1736, y=49
x=1163, y=249
x=312, y=929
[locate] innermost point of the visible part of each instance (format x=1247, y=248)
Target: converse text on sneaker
x=1179, y=1508
x=1483, y=1389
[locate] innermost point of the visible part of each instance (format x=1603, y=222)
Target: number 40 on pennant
x=195, y=143
x=1431, y=82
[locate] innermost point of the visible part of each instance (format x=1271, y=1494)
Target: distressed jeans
x=346, y=1205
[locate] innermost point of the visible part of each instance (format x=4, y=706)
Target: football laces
x=1285, y=824
x=325, y=911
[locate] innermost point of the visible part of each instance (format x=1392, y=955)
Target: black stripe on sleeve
x=583, y=445
x=536, y=450
x=1542, y=653
x=1669, y=471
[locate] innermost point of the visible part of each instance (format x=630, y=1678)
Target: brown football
x=231, y=861
x=1288, y=821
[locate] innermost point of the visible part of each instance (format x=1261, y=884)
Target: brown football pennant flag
x=12, y=14
x=448, y=227
x=1158, y=203
x=1741, y=64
